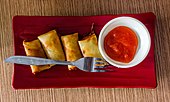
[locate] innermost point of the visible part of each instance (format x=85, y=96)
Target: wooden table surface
x=161, y=8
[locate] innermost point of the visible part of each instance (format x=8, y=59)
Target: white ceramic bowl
x=144, y=40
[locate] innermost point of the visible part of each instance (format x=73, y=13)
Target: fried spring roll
x=52, y=46
x=89, y=46
x=34, y=49
x=71, y=48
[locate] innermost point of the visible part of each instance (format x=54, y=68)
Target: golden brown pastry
x=71, y=48
x=52, y=46
x=34, y=49
x=89, y=46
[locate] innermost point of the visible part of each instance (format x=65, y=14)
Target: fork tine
x=104, y=70
x=98, y=59
x=99, y=62
x=100, y=71
x=99, y=67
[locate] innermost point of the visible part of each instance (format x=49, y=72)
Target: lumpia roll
x=71, y=48
x=52, y=46
x=34, y=49
x=89, y=46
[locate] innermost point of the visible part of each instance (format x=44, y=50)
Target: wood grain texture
x=10, y=8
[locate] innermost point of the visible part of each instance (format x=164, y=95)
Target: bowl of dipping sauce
x=124, y=42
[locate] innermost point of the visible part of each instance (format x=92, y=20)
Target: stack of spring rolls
x=49, y=46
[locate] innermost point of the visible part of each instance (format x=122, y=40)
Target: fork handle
x=34, y=61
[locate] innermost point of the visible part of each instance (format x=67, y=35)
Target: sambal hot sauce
x=121, y=44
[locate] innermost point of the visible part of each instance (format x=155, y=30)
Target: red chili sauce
x=121, y=44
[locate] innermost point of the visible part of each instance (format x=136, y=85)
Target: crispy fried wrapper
x=52, y=45
x=71, y=48
x=34, y=49
x=89, y=46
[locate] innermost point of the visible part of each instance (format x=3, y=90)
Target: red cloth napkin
x=29, y=27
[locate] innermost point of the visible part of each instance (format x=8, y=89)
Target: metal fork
x=87, y=64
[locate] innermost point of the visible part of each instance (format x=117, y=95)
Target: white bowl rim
x=110, y=22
